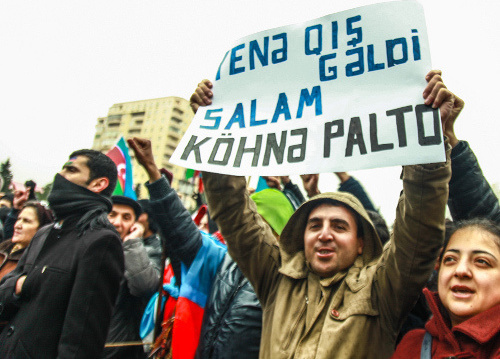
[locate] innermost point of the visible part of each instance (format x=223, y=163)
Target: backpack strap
x=425, y=352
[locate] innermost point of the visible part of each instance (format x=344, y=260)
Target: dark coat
x=470, y=193
x=231, y=326
x=10, y=221
x=141, y=280
x=232, y=323
x=67, y=298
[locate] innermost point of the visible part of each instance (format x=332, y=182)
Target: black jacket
x=470, y=194
x=232, y=322
x=140, y=282
x=65, y=305
x=231, y=325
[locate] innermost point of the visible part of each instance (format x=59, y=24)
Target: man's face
x=331, y=243
x=123, y=218
x=77, y=171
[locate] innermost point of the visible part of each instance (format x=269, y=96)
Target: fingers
x=431, y=73
x=285, y=179
x=136, y=231
x=135, y=147
x=437, y=95
x=202, y=96
x=139, y=143
x=273, y=182
x=435, y=84
x=459, y=104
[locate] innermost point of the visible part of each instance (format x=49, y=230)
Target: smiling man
x=329, y=289
x=59, y=299
x=332, y=238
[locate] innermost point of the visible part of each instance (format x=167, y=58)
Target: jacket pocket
x=360, y=307
x=41, y=274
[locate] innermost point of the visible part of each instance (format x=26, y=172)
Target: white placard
x=342, y=92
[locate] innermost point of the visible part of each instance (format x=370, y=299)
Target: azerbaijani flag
x=194, y=291
x=119, y=154
x=195, y=174
x=261, y=184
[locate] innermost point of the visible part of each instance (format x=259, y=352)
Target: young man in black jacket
x=59, y=299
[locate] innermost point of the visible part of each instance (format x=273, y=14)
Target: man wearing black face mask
x=58, y=301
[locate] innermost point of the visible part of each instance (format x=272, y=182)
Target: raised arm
x=470, y=193
x=250, y=240
x=418, y=232
x=182, y=237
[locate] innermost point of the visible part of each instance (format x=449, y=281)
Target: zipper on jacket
x=295, y=325
x=217, y=326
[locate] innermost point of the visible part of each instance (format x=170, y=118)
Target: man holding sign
x=329, y=289
x=337, y=93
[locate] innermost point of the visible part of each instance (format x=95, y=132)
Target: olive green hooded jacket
x=356, y=313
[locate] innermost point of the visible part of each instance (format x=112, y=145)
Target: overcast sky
x=64, y=63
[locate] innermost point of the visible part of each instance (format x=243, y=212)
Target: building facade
x=162, y=120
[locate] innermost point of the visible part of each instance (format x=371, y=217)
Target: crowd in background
x=268, y=273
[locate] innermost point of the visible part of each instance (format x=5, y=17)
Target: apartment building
x=162, y=120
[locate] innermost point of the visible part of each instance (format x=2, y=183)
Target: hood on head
x=292, y=237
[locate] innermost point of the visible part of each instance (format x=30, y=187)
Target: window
x=174, y=129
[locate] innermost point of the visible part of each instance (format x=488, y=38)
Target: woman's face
x=25, y=227
x=469, y=274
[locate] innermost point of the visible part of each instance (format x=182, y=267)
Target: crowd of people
x=261, y=274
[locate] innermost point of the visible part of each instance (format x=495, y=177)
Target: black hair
x=99, y=165
x=43, y=214
x=32, y=185
x=148, y=209
x=479, y=223
x=127, y=201
x=335, y=203
x=9, y=197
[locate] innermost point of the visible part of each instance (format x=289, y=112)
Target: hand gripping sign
x=342, y=92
